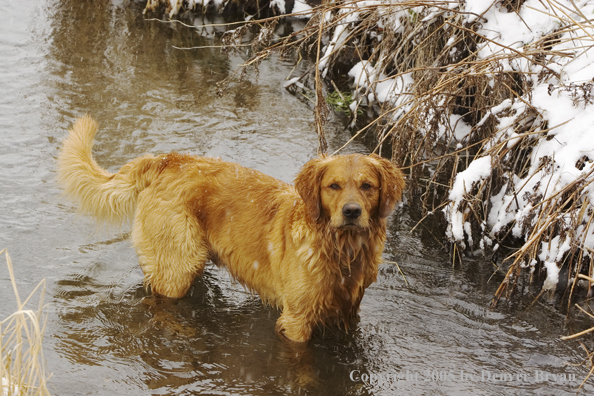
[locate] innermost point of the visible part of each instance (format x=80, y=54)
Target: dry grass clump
x=22, y=368
x=589, y=360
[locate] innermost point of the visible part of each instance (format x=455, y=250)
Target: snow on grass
x=561, y=161
x=279, y=5
x=176, y=7
x=458, y=227
x=301, y=9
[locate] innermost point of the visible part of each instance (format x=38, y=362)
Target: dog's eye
x=365, y=186
x=334, y=186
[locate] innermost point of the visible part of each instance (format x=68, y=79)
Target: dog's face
x=349, y=190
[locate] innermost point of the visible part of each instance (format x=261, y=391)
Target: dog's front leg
x=296, y=327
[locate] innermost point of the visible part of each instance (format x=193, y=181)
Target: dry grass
x=22, y=369
x=589, y=360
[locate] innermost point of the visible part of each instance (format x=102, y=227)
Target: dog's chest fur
x=349, y=262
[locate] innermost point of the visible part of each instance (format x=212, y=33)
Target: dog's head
x=349, y=190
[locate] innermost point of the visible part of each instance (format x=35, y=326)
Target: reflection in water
x=150, y=97
x=109, y=59
x=107, y=336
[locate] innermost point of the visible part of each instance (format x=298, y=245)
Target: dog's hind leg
x=170, y=244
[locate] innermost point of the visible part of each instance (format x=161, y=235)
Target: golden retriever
x=310, y=250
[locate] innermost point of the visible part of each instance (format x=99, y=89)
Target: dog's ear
x=308, y=183
x=391, y=184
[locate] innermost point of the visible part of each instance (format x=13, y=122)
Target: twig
x=399, y=270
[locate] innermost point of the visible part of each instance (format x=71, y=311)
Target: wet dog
x=310, y=249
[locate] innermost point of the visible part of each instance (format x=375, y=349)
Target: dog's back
x=186, y=209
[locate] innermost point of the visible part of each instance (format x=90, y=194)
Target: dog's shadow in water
x=218, y=332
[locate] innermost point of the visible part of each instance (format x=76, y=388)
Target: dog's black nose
x=351, y=211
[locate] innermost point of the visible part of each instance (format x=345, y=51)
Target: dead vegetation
x=22, y=366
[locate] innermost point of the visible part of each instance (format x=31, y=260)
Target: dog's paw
x=293, y=329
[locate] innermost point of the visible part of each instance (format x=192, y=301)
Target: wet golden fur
x=297, y=247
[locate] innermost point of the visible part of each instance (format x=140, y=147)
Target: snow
x=552, y=275
x=302, y=8
x=279, y=5
x=477, y=7
x=553, y=161
x=478, y=170
x=341, y=33
x=362, y=73
x=384, y=89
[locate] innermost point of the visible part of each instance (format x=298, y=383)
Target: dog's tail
x=111, y=198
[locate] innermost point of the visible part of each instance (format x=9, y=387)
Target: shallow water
x=431, y=334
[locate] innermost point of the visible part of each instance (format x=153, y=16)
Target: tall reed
x=22, y=368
